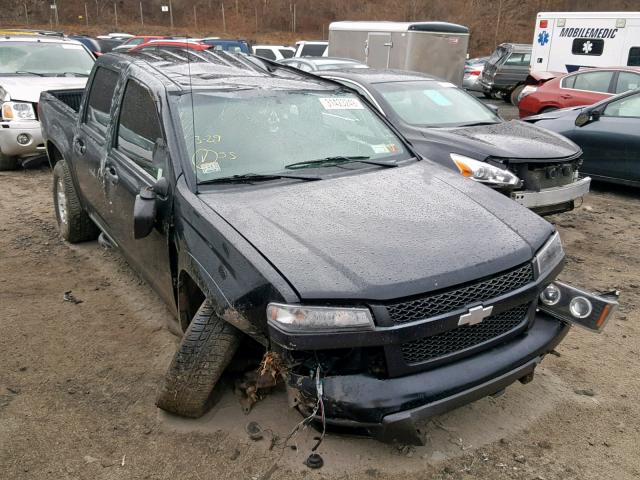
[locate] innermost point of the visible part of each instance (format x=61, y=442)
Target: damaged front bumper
x=555, y=199
x=388, y=409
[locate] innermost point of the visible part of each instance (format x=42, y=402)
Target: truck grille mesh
x=461, y=338
x=439, y=303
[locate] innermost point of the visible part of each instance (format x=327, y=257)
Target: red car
x=168, y=43
x=135, y=41
x=546, y=91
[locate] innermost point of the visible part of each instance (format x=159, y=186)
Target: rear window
x=568, y=82
x=634, y=57
x=312, y=50
x=587, y=46
x=497, y=54
x=627, y=81
x=593, y=81
x=100, y=96
x=265, y=53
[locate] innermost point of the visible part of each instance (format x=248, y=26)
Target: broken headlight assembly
x=577, y=306
x=483, y=172
x=18, y=111
x=549, y=255
x=306, y=319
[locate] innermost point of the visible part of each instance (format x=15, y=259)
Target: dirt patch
x=78, y=380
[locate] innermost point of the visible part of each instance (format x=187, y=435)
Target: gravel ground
x=78, y=380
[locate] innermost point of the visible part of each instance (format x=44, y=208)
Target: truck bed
x=71, y=98
x=58, y=113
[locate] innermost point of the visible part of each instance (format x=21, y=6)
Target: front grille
x=459, y=297
x=461, y=338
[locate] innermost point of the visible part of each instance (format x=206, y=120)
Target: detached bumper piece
x=550, y=197
x=388, y=409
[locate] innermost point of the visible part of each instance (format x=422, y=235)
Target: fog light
x=580, y=307
x=23, y=138
x=550, y=295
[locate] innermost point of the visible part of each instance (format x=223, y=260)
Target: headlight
x=483, y=172
x=549, y=255
x=309, y=319
x=579, y=307
x=528, y=90
x=18, y=111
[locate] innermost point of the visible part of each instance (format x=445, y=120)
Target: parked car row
x=387, y=287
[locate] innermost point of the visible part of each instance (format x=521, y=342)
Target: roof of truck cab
x=384, y=26
x=215, y=69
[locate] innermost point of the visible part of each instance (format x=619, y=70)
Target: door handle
x=79, y=146
x=112, y=173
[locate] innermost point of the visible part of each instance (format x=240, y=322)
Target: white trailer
x=436, y=48
x=566, y=41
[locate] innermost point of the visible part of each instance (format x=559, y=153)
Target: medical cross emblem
x=475, y=315
x=587, y=46
x=543, y=37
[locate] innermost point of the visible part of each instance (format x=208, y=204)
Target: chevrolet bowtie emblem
x=475, y=315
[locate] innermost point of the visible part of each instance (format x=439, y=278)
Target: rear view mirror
x=144, y=213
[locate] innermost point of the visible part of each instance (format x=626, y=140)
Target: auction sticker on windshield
x=341, y=104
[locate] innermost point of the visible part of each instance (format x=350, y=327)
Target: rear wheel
x=73, y=221
x=206, y=350
x=8, y=163
x=515, y=94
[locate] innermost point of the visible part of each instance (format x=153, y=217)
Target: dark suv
x=506, y=71
x=274, y=208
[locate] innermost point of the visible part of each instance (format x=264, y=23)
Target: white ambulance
x=567, y=41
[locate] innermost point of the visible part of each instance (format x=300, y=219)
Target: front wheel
x=73, y=221
x=206, y=350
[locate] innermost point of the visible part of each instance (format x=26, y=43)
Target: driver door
x=611, y=143
x=129, y=167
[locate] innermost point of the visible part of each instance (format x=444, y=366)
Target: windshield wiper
x=255, y=177
x=24, y=72
x=477, y=124
x=340, y=160
x=68, y=74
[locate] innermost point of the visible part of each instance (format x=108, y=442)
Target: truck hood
x=28, y=89
x=383, y=234
x=514, y=140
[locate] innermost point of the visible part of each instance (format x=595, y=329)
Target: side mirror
x=493, y=108
x=587, y=116
x=144, y=213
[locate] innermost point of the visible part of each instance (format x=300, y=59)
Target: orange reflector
x=603, y=316
x=464, y=169
x=7, y=112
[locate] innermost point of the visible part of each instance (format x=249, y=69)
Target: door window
x=634, y=57
x=100, y=96
x=593, y=81
x=627, y=81
x=624, y=107
x=139, y=128
x=518, y=59
x=286, y=53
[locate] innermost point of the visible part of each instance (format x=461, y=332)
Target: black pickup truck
x=276, y=212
